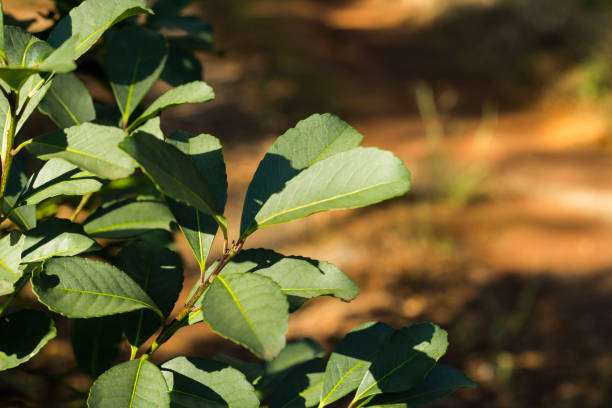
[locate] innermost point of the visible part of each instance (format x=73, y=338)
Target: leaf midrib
x=314, y=203
x=112, y=295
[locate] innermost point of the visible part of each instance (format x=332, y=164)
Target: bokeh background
x=502, y=110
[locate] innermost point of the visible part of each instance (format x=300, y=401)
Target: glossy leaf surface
x=78, y=287
x=68, y=102
x=133, y=384
x=250, y=310
x=89, y=146
x=196, y=382
x=311, y=140
x=128, y=218
x=199, y=228
x=11, y=246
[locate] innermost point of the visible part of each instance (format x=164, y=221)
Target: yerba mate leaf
x=10, y=258
x=249, y=309
x=58, y=177
x=193, y=92
x=89, y=146
x=95, y=343
x=159, y=273
x=174, y=173
x=199, y=228
x=87, y=22
x=55, y=237
x=135, y=58
x=196, y=382
x=133, y=384
x=128, y=218
x=311, y=140
x=79, y=287
x=405, y=360
x=182, y=66
x=68, y=102
x=24, y=333
x=441, y=381
x=152, y=127
x=301, y=388
x=350, y=361
x=351, y=179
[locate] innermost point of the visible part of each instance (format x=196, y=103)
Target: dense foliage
x=116, y=275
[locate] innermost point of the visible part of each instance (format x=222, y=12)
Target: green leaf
x=55, y=237
x=249, y=309
x=405, y=360
x=199, y=228
x=134, y=61
x=441, y=381
x=24, y=53
x=351, y=179
x=68, y=102
x=58, y=177
x=133, y=384
x=152, y=127
x=194, y=92
x=24, y=333
x=22, y=216
x=251, y=370
x=79, y=287
x=10, y=258
x=351, y=360
x=2, y=43
x=128, y=218
x=313, y=139
x=301, y=388
x=173, y=172
x=295, y=354
x=89, y=146
x=302, y=278
x=31, y=93
x=159, y=272
x=87, y=22
x=95, y=343
x=182, y=67
x=196, y=382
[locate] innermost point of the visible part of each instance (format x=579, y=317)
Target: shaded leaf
x=405, y=360
x=87, y=22
x=351, y=179
x=173, y=172
x=159, y=273
x=79, y=287
x=301, y=388
x=24, y=333
x=134, y=384
x=350, y=361
x=251, y=370
x=55, y=237
x=250, y=310
x=199, y=228
x=193, y=92
x=68, y=102
x=128, y=218
x=10, y=257
x=182, y=67
x=95, y=343
x=24, y=53
x=31, y=94
x=196, y=382
x=134, y=60
x=22, y=216
x=441, y=381
x=58, y=177
x=311, y=140
x=2, y=43
x=89, y=146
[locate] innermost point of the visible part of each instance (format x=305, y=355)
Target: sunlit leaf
x=68, y=102
x=10, y=258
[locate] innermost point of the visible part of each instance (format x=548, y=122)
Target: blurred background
x=502, y=110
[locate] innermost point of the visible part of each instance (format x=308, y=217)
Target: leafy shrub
x=125, y=284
